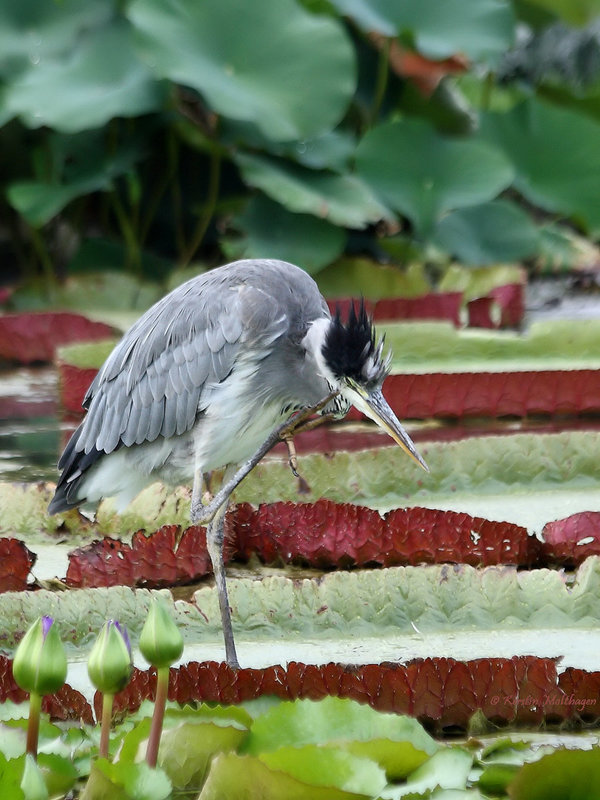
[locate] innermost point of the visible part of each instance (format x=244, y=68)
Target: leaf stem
x=381, y=80
x=33, y=724
x=214, y=178
x=162, y=685
x=107, y=707
x=486, y=91
x=45, y=260
x=128, y=232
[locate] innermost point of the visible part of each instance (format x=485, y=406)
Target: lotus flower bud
x=40, y=663
x=109, y=662
x=161, y=642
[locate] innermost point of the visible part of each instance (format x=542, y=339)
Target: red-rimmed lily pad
x=77, y=366
x=65, y=704
x=571, y=540
x=493, y=297
x=27, y=338
x=439, y=692
x=432, y=306
x=495, y=394
x=164, y=558
x=508, y=299
x=503, y=307
x=441, y=372
x=323, y=535
x=16, y=561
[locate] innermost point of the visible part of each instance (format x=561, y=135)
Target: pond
x=33, y=432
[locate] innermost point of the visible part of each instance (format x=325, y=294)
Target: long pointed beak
x=375, y=406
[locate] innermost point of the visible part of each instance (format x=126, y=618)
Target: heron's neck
x=313, y=342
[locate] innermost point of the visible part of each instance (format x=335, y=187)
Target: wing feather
x=161, y=376
x=143, y=424
x=169, y=424
x=157, y=412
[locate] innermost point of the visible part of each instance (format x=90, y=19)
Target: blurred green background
x=147, y=136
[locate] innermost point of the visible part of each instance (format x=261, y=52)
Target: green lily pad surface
x=439, y=347
x=528, y=479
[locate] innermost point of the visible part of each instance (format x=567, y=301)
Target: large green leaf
x=575, y=12
x=397, y=743
x=568, y=774
x=488, y=233
x=271, y=231
x=328, y=766
x=99, y=79
x=422, y=174
x=31, y=32
x=121, y=781
x=80, y=164
x=187, y=750
x=555, y=154
x=482, y=29
x=39, y=202
x=263, y=62
x=447, y=769
x=233, y=776
x=342, y=199
x=332, y=149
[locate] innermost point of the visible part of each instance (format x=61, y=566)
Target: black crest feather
x=351, y=351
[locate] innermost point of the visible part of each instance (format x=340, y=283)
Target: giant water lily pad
x=440, y=371
x=526, y=478
x=347, y=610
x=31, y=337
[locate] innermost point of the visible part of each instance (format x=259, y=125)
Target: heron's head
x=355, y=365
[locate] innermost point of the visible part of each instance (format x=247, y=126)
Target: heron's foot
x=292, y=455
x=197, y=510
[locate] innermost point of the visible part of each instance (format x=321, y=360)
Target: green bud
x=109, y=663
x=40, y=663
x=161, y=643
x=32, y=782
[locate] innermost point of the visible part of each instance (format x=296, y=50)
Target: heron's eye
x=355, y=386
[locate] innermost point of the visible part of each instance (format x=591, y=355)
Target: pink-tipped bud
x=109, y=662
x=40, y=663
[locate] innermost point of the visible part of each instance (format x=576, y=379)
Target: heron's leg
x=214, y=542
x=197, y=504
x=283, y=431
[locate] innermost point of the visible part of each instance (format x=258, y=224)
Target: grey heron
x=210, y=378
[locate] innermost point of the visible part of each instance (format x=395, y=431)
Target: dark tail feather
x=73, y=464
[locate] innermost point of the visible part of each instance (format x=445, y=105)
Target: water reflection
x=33, y=432
x=30, y=431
